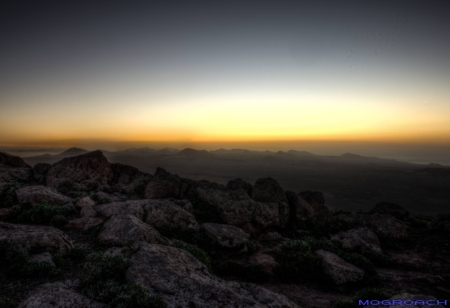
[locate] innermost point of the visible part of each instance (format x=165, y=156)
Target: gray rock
x=123, y=230
x=362, y=240
x=31, y=237
x=237, y=209
x=90, y=167
x=41, y=194
x=225, y=235
x=84, y=201
x=340, y=271
x=58, y=295
x=390, y=208
x=270, y=237
x=13, y=168
x=183, y=281
x=84, y=223
x=165, y=215
x=88, y=211
x=45, y=257
x=266, y=262
x=132, y=207
x=382, y=224
x=268, y=190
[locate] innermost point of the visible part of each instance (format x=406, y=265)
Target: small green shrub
x=251, y=246
x=104, y=281
x=417, y=223
x=198, y=253
x=364, y=294
x=8, y=196
x=7, y=303
x=45, y=214
x=58, y=221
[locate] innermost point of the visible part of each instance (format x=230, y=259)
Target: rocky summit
x=85, y=232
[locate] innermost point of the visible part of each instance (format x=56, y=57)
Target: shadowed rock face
x=31, y=237
x=390, y=208
x=240, y=184
x=41, y=194
x=225, y=235
x=88, y=168
x=126, y=230
x=440, y=223
x=40, y=171
x=316, y=200
x=183, y=281
x=7, y=160
x=58, y=295
x=300, y=209
x=13, y=168
x=163, y=185
x=268, y=190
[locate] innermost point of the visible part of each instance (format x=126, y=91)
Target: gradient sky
x=223, y=72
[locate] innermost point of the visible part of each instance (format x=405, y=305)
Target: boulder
x=300, y=209
x=440, y=223
x=40, y=171
x=126, y=230
x=362, y=240
x=163, y=185
x=240, y=184
x=338, y=270
x=183, y=281
x=268, y=190
x=238, y=209
x=13, y=169
x=41, y=194
x=84, y=201
x=382, y=224
x=165, y=215
x=132, y=207
x=266, y=262
x=317, y=202
x=45, y=257
x=84, y=223
x=58, y=295
x=225, y=235
x=88, y=211
x=89, y=168
x=31, y=237
x=127, y=177
x=390, y=208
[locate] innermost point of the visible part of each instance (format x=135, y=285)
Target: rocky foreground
x=87, y=233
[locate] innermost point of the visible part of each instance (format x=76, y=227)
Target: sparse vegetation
x=15, y=262
x=45, y=214
x=105, y=281
x=8, y=196
x=6, y=302
x=297, y=260
x=198, y=253
x=251, y=246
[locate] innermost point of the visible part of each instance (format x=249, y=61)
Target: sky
x=366, y=76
